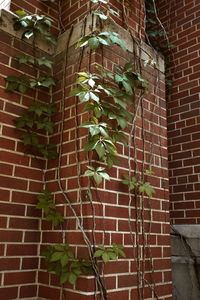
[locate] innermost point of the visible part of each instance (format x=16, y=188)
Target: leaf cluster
x=61, y=260
x=98, y=174
x=111, y=253
x=37, y=118
x=41, y=61
x=33, y=25
x=105, y=38
x=15, y=83
x=107, y=100
x=139, y=186
x=21, y=82
x=45, y=202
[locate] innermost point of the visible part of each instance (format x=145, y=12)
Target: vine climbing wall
x=94, y=215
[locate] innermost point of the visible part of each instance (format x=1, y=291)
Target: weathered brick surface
x=23, y=234
x=182, y=21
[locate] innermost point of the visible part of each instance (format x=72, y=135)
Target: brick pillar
x=111, y=199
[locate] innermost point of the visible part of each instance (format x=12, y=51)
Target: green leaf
x=83, y=41
x=56, y=256
x=12, y=79
x=97, y=178
x=43, y=61
x=100, y=150
x=89, y=173
x=94, y=97
x=12, y=86
x=128, y=66
x=64, y=278
x=22, y=58
x=98, y=253
x=90, y=145
x=58, y=247
x=113, y=12
x=122, y=122
x=22, y=88
x=105, y=257
x=93, y=43
x=94, y=130
x=72, y=278
x=64, y=260
x=104, y=40
x=76, y=91
x=100, y=15
x=105, y=176
x=84, y=97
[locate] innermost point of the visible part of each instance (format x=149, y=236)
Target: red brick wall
x=182, y=20
x=21, y=180
x=20, y=222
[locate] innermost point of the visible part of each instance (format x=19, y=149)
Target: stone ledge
x=146, y=51
x=188, y=230
x=6, y=24
x=184, y=260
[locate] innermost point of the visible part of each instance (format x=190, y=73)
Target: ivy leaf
x=98, y=253
x=83, y=41
x=93, y=43
x=94, y=96
x=100, y=15
x=97, y=178
x=105, y=175
x=64, y=278
x=117, y=41
x=22, y=88
x=105, y=257
x=113, y=12
x=12, y=86
x=64, y=260
x=43, y=61
x=72, y=278
x=104, y=40
x=146, y=188
x=100, y=150
x=90, y=145
x=56, y=256
x=76, y=91
x=128, y=66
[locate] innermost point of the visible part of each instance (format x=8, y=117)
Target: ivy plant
x=33, y=25
x=109, y=253
x=37, y=118
x=61, y=260
x=98, y=174
x=106, y=38
x=45, y=202
x=140, y=186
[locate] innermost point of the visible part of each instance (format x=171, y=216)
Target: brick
x=9, y=264
x=14, y=278
x=11, y=209
x=21, y=250
x=28, y=291
x=23, y=223
x=9, y=293
x=11, y=236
